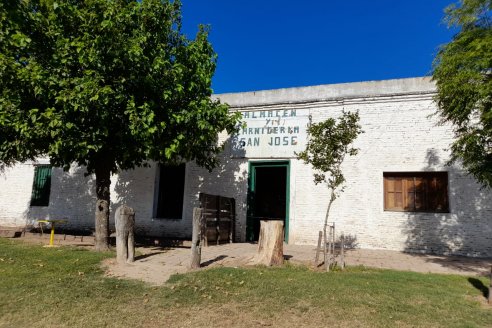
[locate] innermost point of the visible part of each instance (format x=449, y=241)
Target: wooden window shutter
x=441, y=194
x=416, y=191
x=394, y=198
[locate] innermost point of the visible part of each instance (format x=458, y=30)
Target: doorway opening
x=268, y=196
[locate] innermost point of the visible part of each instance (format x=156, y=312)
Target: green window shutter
x=41, y=186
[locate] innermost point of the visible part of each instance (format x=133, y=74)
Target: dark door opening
x=268, y=196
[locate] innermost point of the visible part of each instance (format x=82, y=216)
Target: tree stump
x=125, y=234
x=196, y=238
x=271, y=243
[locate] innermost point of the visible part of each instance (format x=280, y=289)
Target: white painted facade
x=400, y=135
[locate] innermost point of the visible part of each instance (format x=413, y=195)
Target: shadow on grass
x=478, y=284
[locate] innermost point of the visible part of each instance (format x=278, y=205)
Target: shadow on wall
x=349, y=241
x=228, y=180
x=136, y=189
x=465, y=230
x=125, y=188
x=72, y=196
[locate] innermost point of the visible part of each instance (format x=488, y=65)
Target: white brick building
x=424, y=205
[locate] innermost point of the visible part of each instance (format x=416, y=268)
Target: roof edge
x=415, y=85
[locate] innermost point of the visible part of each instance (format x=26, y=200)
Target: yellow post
x=52, y=237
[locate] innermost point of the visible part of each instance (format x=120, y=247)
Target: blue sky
x=273, y=44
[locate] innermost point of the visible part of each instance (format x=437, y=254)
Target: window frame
x=428, y=198
x=40, y=195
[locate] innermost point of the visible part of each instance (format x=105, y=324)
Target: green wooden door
x=268, y=195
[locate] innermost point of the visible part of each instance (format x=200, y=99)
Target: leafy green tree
x=106, y=84
x=463, y=75
x=330, y=141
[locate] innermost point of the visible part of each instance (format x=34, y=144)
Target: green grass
x=65, y=287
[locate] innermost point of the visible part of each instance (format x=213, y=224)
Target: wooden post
x=325, y=253
x=271, y=243
x=196, y=239
x=233, y=221
x=329, y=245
x=217, y=219
x=489, y=298
x=329, y=257
x=318, y=249
x=333, y=243
x=131, y=240
x=342, y=251
x=125, y=239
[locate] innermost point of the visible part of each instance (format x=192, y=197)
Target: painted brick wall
x=15, y=194
x=71, y=196
x=400, y=134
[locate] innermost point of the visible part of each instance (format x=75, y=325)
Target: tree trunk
x=103, y=182
x=325, y=237
x=332, y=199
x=271, y=243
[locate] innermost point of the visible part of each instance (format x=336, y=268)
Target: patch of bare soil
x=157, y=265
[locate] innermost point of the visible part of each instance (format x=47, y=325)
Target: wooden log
x=125, y=239
x=196, y=238
x=271, y=243
x=131, y=242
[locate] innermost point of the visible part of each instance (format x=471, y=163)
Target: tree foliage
x=463, y=75
x=330, y=141
x=107, y=84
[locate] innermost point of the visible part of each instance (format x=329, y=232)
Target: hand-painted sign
x=271, y=134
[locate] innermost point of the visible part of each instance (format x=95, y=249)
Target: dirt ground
x=155, y=264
